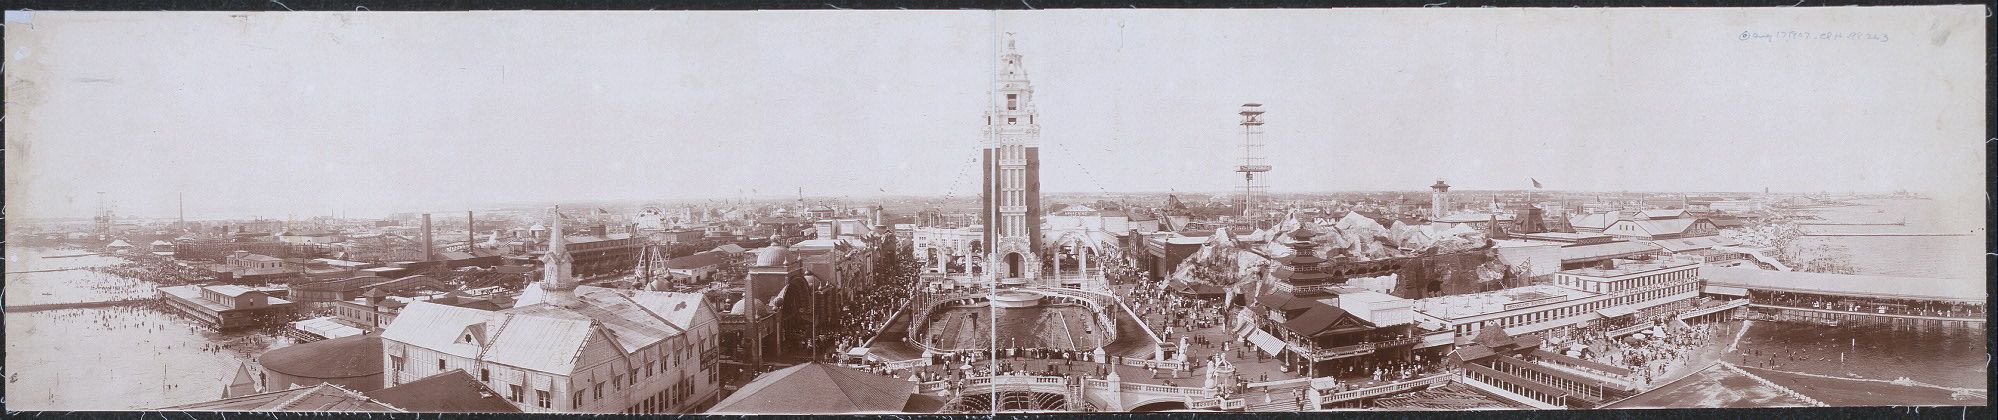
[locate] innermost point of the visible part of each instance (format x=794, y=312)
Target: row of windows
x=664, y=401
x=1567, y=311
x=1544, y=378
x=1620, y=285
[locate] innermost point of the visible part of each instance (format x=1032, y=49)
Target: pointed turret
x=556, y=276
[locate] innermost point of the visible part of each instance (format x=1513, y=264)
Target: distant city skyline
x=316, y=113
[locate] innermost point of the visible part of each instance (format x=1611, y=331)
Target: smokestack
x=471, y=235
x=429, y=251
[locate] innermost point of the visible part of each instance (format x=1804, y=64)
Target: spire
x=556, y=276
x=1010, y=68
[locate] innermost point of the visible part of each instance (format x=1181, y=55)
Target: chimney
x=429, y=250
x=600, y=230
x=471, y=232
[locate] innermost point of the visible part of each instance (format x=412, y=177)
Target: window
x=485, y=375
x=396, y=362
x=634, y=377
x=1012, y=101
x=262, y=380
x=576, y=400
x=541, y=399
x=440, y=364
x=617, y=382
x=1011, y=120
x=648, y=368
x=597, y=391
x=513, y=393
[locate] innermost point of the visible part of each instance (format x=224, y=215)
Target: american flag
x=1536, y=182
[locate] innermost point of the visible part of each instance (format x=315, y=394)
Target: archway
x=1013, y=263
x=1159, y=406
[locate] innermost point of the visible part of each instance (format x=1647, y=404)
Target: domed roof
x=344, y=357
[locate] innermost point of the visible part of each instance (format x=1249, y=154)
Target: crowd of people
x=1872, y=306
x=871, y=308
x=1648, y=357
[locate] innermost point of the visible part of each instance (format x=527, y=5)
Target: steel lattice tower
x=1253, y=188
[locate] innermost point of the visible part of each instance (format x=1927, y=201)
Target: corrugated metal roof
x=436, y=327
x=1959, y=290
x=537, y=341
x=682, y=310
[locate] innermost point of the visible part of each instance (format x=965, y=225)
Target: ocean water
x=111, y=358
x=1868, y=351
x=70, y=285
x=1955, y=257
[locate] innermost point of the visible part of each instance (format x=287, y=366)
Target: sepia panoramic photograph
x=863, y=212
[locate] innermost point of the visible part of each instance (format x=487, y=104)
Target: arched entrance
x=1159, y=406
x=1013, y=263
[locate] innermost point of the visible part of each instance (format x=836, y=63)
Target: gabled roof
x=818, y=388
x=345, y=357
x=435, y=326
x=1598, y=220
x=1661, y=226
x=1662, y=214
x=698, y=260
x=322, y=397
x=450, y=392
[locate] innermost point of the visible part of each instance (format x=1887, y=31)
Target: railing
x=1629, y=330
x=905, y=364
x=1158, y=364
x=1335, y=352
x=1400, y=341
x=931, y=387
x=1717, y=308
x=1169, y=390
x=1436, y=379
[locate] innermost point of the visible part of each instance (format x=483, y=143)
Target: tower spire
x=557, y=280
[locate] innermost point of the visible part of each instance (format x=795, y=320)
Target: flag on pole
x=1536, y=182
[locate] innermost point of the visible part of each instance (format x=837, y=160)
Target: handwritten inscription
x=1812, y=36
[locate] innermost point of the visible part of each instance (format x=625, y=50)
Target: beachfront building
x=1948, y=305
x=226, y=306
x=568, y=348
x=1619, y=295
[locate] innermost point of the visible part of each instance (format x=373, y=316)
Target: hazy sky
x=311, y=113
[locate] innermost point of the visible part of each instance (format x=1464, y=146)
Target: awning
x=1615, y=311
x=1268, y=343
x=1725, y=291
x=857, y=351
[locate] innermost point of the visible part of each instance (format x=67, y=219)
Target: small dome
x=770, y=257
x=345, y=357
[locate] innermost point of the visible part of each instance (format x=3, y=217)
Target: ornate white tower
x=1012, y=195
x=1439, y=200
x=558, y=284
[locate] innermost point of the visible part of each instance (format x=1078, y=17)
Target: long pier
x=76, y=305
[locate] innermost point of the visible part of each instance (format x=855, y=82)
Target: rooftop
x=824, y=389
x=345, y=357
x=1956, y=290
x=1474, y=304
x=1628, y=267
x=322, y=397
x=448, y=392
